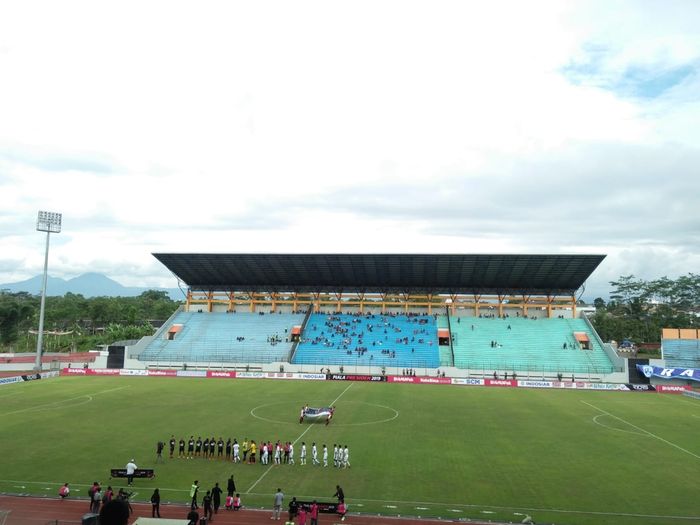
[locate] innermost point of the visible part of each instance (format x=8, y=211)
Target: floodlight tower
x=48, y=222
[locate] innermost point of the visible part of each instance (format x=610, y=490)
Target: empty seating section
x=222, y=337
x=681, y=353
x=369, y=340
x=523, y=344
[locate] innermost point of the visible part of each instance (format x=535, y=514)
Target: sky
x=349, y=127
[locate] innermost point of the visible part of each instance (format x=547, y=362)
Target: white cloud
x=268, y=127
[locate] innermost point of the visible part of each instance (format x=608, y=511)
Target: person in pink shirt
x=302, y=515
x=313, y=513
x=341, y=510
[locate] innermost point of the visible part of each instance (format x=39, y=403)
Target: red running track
x=27, y=510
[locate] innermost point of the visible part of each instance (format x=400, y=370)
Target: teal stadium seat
x=681, y=353
x=226, y=338
x=403, y=341
x=530, y=345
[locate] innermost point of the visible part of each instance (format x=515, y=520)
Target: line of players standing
x=279, y=452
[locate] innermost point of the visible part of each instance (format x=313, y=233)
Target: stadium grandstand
x=459, y=314
x=680, y=347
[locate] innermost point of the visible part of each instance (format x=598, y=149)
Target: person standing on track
x=155, y=503
x=216, y=497
x=194, y=489
x=277, y=505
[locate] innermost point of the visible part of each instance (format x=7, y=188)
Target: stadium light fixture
x=48, y=222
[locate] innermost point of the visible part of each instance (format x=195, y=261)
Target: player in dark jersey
x=190, y=447
x=220, y=448
x=181, y=449
x=212, y=448
x=198, y=447
x=172, y=446
x=228, y=449
x=205, y=447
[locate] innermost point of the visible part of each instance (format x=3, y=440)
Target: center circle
x=294, y=410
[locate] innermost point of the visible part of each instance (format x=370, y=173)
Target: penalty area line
x=650, y=434
x=295, y=442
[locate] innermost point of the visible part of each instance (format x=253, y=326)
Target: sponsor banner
x=433, y=380
x=162, y=373
x=536, y=384
x=604, y=386
x=670, y=373
x=221, y=373
x=401, y=379
x=673, y=389
x=500, y=382
x=467, y=381
x=639, y=388
x=570, y=384
x=53, y=373
x=9, y=380
x=104, y=371
x=250, y=375
x=354, y=377
x=76, y=371
x=191, y=373
x=311, y=377
x=130, y=372
x=31, y=377
x=138, y=473
x=280, y=375
x=327, y=508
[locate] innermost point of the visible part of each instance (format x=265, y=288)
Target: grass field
x=565, y=457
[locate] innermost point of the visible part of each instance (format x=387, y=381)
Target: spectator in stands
x=116, y=512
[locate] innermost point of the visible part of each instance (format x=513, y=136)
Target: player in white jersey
x=346, y=457
x=325, y=455
x=314, y=454
x=236, y=457
x=265, y=454
x=335, y=455
x=278, y=454
x=302, y=461
x=291, y=454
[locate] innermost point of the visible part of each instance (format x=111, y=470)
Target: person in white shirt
x=314, y=454
x=291, y=453
x=346, y=457
x=278, y=454
x=302, y=461
x=130, y=469
x=265, y=454
x=325, y=455
x=236, y=456
x=335, y=455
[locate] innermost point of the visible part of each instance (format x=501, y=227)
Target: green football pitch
x=566, y=457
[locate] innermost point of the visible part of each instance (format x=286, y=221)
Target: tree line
x=77, y=323
x=639, y=309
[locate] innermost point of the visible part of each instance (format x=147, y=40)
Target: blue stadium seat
x=370, y=340
x=228, y=338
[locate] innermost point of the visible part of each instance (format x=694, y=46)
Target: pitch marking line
x=642, y=430
x=438, y=503
x=57, y=404
x=296, y=440
x=595, y=420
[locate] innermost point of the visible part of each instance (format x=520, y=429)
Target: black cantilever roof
x=420, y=273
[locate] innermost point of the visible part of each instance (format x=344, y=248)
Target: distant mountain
x=87, y=285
